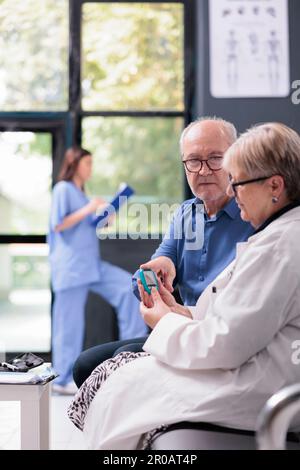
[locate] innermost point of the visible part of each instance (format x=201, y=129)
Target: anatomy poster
x=249, y=48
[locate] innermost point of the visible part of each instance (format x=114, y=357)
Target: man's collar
x=231, y=208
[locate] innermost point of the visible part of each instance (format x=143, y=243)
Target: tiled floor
x=64, y=435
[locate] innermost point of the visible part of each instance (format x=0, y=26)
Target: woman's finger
x=140, y=288
x=168, y=282
x=155, y=295
x=162, y=289
x=145, y=297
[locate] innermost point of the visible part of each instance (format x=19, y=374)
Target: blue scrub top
x=74, y=253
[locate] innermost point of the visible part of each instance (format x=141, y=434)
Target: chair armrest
x=275, y=418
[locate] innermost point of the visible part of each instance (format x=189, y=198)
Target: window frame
x=75, y=15
x=56, y=125
x=66, y=126
x=71, y=119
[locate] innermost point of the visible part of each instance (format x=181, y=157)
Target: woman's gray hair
x=266, y=150
x=226, y=127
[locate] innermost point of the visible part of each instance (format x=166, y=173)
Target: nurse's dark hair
x=72, y=157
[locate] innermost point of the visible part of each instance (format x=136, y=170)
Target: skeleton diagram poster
x=249, y=48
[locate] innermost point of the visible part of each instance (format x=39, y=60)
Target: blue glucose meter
x=148, y=279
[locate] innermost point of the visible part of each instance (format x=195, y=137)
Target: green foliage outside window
x=132, y=56
x=33, y=55
x=144, y=152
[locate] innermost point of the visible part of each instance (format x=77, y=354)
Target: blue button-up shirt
x=198, y=262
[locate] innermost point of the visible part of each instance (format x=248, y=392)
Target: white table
x=35, y=411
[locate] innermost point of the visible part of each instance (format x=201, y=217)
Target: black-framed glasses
x=243, y=182
x=194, y=165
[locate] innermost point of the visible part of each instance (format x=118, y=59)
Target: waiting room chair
x=271, y=434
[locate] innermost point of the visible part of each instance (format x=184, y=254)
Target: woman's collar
x=276, y=215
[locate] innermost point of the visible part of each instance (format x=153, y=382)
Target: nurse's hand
x=77, y=216
x=152, y=315
x=95, y=204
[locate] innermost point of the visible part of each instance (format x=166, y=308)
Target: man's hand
x=152, y=315
x=164, y=269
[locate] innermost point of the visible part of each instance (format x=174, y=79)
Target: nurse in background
x=77, y=268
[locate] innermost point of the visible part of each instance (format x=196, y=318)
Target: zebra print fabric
x=80, y=404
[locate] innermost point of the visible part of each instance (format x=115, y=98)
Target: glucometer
x=148, y=279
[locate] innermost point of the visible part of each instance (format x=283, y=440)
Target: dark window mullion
x=75, y=18
x=8, y=239
x=189, y=28
x=75, y=67
x=141, y=114
x=132, y=1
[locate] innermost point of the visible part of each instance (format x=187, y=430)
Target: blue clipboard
x=120, y=198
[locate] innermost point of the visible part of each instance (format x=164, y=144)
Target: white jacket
x=223, y=365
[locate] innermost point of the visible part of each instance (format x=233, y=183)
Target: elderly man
x=202, y=144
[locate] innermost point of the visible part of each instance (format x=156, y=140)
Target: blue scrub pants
x=69, y=316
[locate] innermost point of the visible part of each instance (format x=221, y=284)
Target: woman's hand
x=166, y=296
x=152, y=314
x=169, y=299
x=145, y=297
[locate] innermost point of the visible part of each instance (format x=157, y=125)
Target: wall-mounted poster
x=249, y=48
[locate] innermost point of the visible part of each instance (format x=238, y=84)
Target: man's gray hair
x=226, y=127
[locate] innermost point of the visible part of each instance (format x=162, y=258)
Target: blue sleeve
x=168, y=247
x=60, y=206
x=135, y=288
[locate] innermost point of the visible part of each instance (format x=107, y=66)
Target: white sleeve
x=196, y=313
x=240, y=322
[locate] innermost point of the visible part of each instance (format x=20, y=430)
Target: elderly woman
x=221, y=360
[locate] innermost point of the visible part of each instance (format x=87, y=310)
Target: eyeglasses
x=194, y=165
x=242, y=183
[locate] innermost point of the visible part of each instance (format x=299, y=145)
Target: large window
x=33, y=55
x=132, y=56
x=25, y=191
x=112, y=76
x=132, y=100
x=24, y=298
x=25, y=182
x=143, y=153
